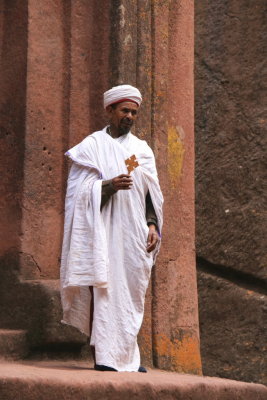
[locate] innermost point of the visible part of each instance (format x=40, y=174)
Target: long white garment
x=107, y=249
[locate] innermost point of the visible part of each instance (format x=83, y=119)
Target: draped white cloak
x=107, y=249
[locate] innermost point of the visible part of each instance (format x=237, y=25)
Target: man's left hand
x=152, y=239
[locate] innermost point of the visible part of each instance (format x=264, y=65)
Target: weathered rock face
x=231, y=135
x=13, y=69
x=230, y=105
x=233, y=330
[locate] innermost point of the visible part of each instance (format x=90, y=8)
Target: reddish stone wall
x=175, y=321
x=74, y=52
x=63, y=100
x=46, y=115
x=13, y=68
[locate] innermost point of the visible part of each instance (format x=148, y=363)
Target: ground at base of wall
x=77, y=380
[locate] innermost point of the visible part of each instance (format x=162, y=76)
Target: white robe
x=107, y=249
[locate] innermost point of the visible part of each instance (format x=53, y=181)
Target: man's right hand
x=122, y=182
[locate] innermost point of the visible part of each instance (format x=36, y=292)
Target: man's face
x=122, y=116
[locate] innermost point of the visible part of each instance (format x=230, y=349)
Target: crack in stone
x=233, y=17
x=32, y=258
x=244, y=280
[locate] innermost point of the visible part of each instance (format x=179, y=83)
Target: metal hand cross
x=131, y=163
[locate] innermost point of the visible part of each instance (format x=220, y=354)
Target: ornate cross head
x=131, y=163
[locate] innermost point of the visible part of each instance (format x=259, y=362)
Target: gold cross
x=131, y=163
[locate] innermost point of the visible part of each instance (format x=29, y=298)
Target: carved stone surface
x=13, y=69
x=230, y=105
x=71, y=380
x=231, y=132
x=233, y=332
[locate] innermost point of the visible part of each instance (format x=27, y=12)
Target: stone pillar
x=175, y=313
x=13, y=70
x=66, y=45
x=46, y=116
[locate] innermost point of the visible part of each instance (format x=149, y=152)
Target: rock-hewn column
x=89, y=67
x=66, y=45
x=45, y=123
x=13, y=69
x=175, y=316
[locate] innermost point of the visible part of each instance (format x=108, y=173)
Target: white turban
x=121, y=93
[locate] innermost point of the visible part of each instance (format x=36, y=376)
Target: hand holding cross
x=124, y=181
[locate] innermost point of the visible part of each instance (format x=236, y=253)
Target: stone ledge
x=77, y=381
x=38, y=311
x=13, y=344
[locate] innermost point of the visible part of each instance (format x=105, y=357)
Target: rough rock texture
x=233, y=322
x=35, y=307
x=175, y=319
x=13, y=344
x=77, y=381
x=230, y=105
x=231, y=123
x=13, y=39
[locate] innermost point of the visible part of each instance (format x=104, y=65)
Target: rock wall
x=13, y=39
x=231, y=120
x=58, y=60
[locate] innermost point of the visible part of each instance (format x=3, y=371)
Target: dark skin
x=121, y=119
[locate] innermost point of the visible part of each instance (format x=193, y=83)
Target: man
x=113, y=216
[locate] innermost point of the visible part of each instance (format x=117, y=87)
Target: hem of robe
x=132, y=367
x=87, y=282
x=122, y=369
x=64, y=322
